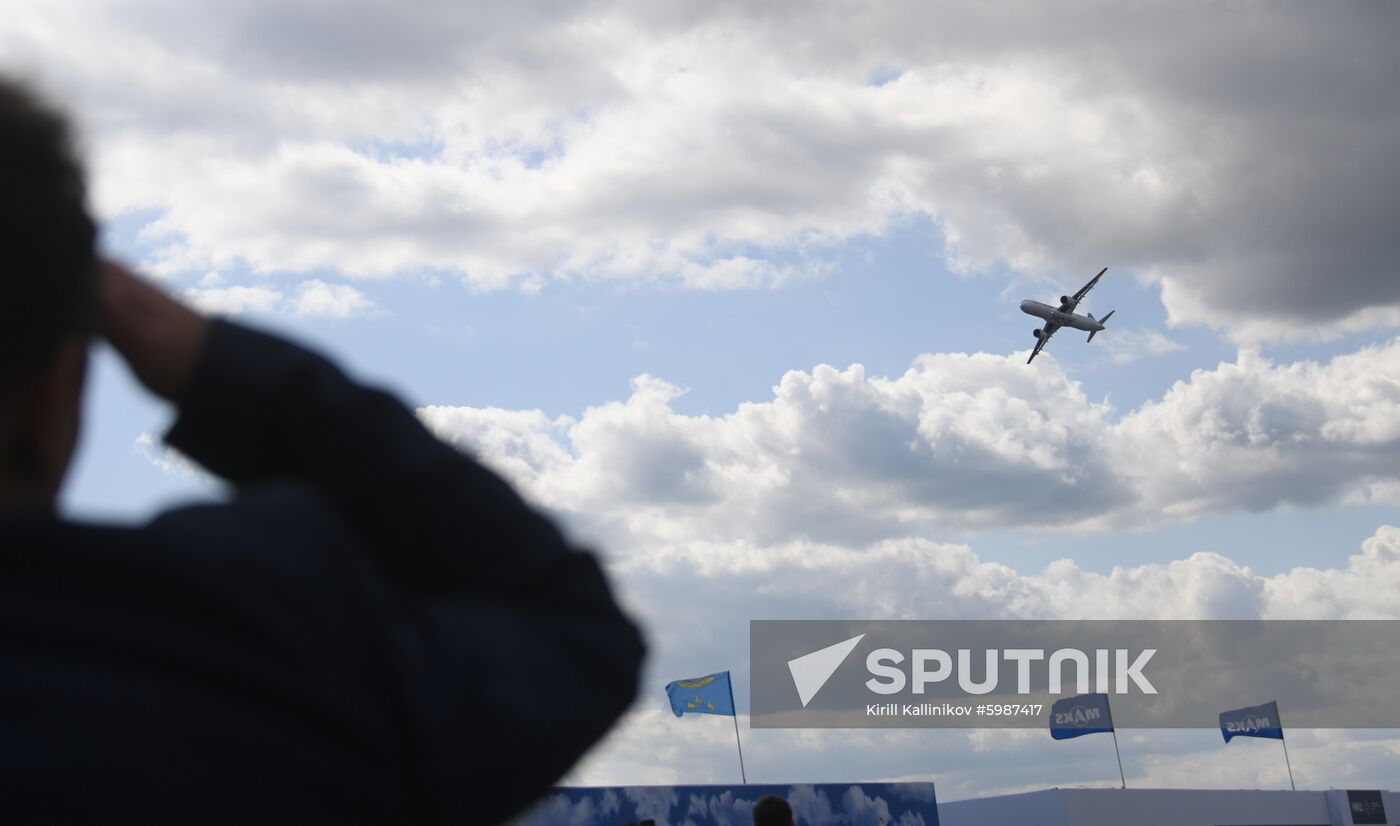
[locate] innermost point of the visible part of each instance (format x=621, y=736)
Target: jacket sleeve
x=513, y=657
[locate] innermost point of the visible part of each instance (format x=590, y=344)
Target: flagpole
x=1116, y=753
x=1119, y=755
x=742, y=774
x=1286, y=761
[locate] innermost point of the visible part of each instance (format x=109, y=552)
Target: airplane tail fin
x=1103, y=320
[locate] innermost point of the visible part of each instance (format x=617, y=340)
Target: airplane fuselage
x=1049, y=313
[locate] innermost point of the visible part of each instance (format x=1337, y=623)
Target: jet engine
x=1064, y=299
x=1036, y=333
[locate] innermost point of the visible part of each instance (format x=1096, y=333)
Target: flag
x=1252, y=721
x=710, y=694
x=1076, y=716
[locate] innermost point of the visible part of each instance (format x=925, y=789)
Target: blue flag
x=1076, y=716
x=711, y=694
x=1253, y=721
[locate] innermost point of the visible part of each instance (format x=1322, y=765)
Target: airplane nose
x=1026, y=306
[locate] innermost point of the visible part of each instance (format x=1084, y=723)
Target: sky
x=731, y=291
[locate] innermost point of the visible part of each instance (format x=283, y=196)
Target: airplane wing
x=1068, y=306
x=1045, y=333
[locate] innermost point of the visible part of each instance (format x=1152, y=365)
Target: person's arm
x=514, y=655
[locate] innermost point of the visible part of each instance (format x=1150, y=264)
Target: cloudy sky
x=731, y=289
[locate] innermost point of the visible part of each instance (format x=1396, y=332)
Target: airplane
x=1064, y=316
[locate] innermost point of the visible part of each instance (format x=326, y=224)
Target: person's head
x=771, y=810
x=48, y=298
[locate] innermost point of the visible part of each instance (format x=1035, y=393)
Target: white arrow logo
x=811, y=671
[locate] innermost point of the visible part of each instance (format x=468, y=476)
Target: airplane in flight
x=1064, y=316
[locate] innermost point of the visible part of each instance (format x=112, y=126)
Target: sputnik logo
x=811, y=671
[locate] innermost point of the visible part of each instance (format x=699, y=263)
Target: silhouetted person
x=373, y=629
x=771, y=810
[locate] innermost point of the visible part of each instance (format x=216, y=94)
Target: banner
x=814, y=804
x=1077, y=716
x=711, y=694
x=1252, y=721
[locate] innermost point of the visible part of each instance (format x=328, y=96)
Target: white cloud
x=1251, y=435
x=317, y=298
x=972, y=440
x=310, y=298
x=1365, y=589
x=234, y=300
x=1240, y=159
x=523, y=446
x=171, y=460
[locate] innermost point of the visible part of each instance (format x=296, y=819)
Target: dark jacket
x=375, y=629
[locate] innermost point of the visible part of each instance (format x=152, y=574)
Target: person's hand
x=159, y=337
